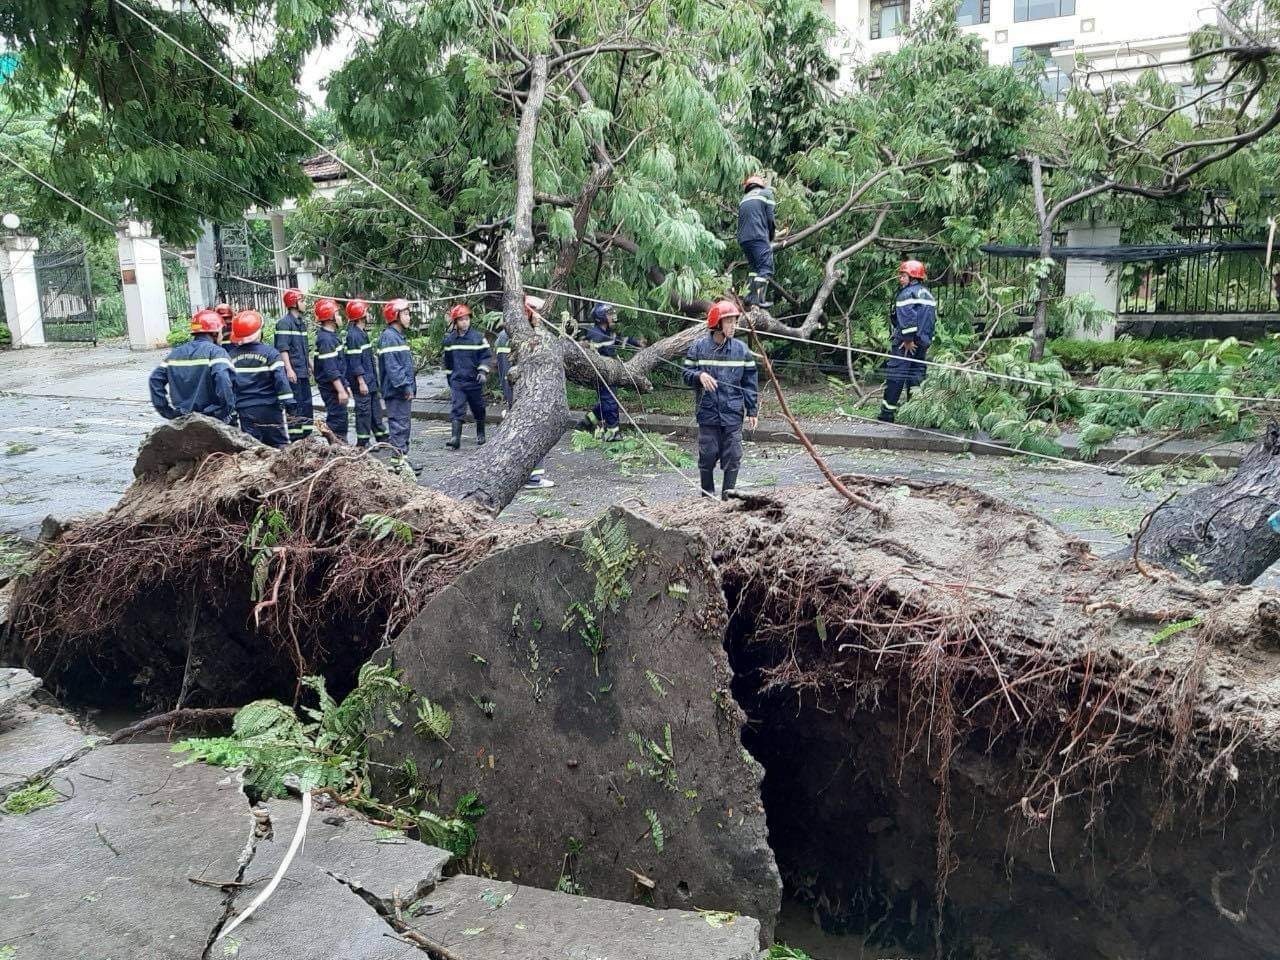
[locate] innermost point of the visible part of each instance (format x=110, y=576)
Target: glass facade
x=1024, y=10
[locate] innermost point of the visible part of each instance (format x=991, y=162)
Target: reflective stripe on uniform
x=888, y=406
x=757, y=196
x=721, y=363
x=284, y=396
x=502, y=349
x=462, y=346
x=908, y=330
x=537, y=472
x=362, y=349
x=917, y=301
x=290, y=333
x=327, y=356
x=199, y=362
x=403, y=346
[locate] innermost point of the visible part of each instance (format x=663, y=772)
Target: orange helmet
x=246, y=325
x=458, y=311
x=754, y=180
x=206, y=321
x=292, y=297
x=721, y=310
x=912, y=268
x=326, y=310
x=391, y=311
x=357, y=309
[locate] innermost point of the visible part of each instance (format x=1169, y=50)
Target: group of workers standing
x=267, y=389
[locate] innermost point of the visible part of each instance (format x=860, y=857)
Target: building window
x=1042, y=9
x=1053, y=81
x=888, y=17
x=973, y=11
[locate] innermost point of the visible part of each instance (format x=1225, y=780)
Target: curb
x=900, y=437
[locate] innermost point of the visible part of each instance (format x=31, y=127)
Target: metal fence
x=1213, y=282
x=244, y=295
x=66, y=295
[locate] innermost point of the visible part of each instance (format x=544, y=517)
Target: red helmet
x=912, y=268
x=458, y=311
x=533, y=305
x=223, y=310
x=357, y=309
x=246, y=325
x=206, y=321
x=391, y=311
x=326, y=310
x=292, y=297
x=754, y=180
x=721, y=310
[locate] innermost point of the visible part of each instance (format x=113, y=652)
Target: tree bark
x=1040, y=326
x=1219, y=531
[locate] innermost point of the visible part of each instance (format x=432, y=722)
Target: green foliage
x=379, y=526
x=266, y=532
x=657, y=759
x=1173, y=629
x=610, y=556
x=632, y=453
x=433, y=721
x=32, y=797
x=325, y=746
x=655, y=830
x=780, y=951
x=455, y=833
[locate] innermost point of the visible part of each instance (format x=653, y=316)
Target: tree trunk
x=1219, y=531
x=1040, y=327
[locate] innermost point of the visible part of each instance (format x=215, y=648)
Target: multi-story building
x=1114, y=34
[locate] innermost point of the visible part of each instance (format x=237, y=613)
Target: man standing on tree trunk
x=331, y=368
x=914, y=313
x=466, y=366
x=295, y=351
x=397, y=376
x=756, y=227
x=723, y=375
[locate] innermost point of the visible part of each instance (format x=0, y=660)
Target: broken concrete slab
x=105, y=873
x=621, y=772
x=318, y=913
x=34, y=739
x=479, y=919
x=16, y=686
x=188, y=440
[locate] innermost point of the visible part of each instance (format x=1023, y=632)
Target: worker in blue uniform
x=538, y=479
x=331, y=368
x=756, y=228
x=603, y=418
x=396, y=375
x=263, y=394
x=295, y=350
x=362, y=376
x=466, y=365
x=196, y=376
x=915, y=312
x=723, y=374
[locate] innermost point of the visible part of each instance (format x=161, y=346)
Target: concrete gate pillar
x=1089, y=276
x=279, y=247
x=21, y=291
x=142, y=277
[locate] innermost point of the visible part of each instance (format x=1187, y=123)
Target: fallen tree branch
x=180, y=717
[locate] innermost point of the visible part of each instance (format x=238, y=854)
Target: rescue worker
x=331, y=368
x=538, y=479
x=466, y=366
x=396, y=375
x=914, y=313
x=263, y=394
x=603, y=418
x=723, y=375
x=224, y=311
x=362, y=376
x=756, y=228
x=196, y=376
x=295, y=350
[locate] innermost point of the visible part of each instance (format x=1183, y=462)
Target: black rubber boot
x=454, y=442
x=729, y=485
x=760, y=292
x=886, y=416
x=708, y=483
x=480, y=432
